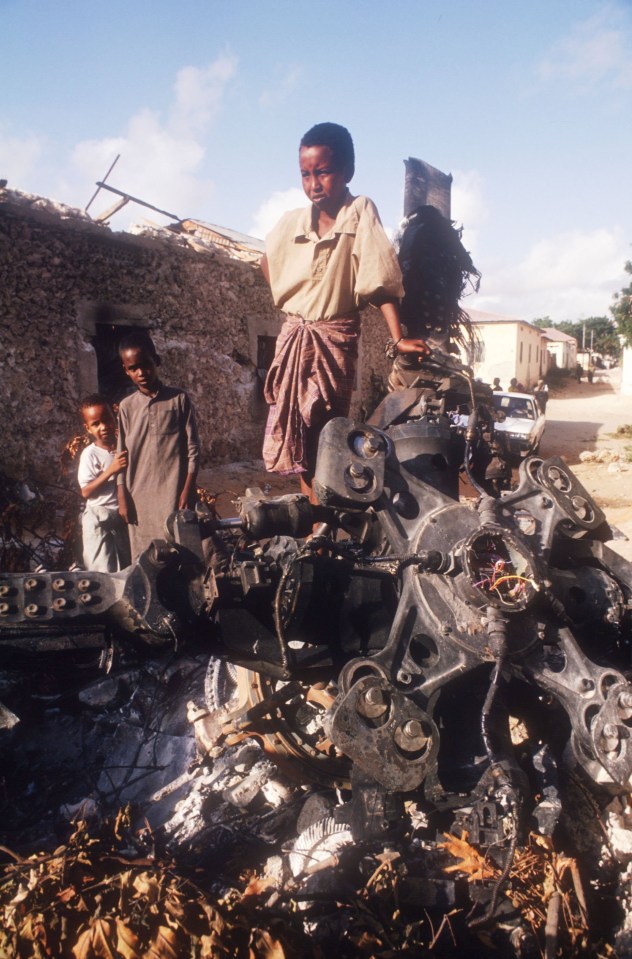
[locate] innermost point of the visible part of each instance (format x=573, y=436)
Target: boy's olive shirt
x=318, y=278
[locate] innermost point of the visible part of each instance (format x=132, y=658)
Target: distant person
x=105, y=539
x=541, y=393
x=590, y=373
x=515, y=386
x=578, y=372
x=157, y=429
x=496, y=387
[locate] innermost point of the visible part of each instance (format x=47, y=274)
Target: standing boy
x=157, y=429
x=323, y=265
x=105, y=539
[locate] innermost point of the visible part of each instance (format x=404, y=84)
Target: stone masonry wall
x=61, y=276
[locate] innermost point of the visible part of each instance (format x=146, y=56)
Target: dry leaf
x=164, y=945
x=97, y=942
x=256, y=887
x=127, y=943
x=471, y=861
x=147, y=887
x=263, y=946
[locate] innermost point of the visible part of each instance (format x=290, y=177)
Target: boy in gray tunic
x=157, y=428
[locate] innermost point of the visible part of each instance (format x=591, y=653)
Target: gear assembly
x=383, y=641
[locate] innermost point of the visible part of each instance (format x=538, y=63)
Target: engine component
x=388, y=653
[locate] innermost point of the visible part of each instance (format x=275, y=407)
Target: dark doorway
x=113, y=382
x=265, y=354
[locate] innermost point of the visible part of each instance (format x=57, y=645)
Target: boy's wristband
x=391, y=347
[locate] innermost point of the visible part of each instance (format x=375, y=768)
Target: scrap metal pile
x=447, y=669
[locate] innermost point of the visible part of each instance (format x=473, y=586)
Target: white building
x=562, y=347
x=510, y=348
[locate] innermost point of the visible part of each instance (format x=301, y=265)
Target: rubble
x=408, y=732
x=601, y=456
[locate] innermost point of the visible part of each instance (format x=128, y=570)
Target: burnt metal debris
x=386, y=644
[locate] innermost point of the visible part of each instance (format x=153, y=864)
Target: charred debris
x=407, y=732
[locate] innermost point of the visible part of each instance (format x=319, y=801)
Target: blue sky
x=527, y=105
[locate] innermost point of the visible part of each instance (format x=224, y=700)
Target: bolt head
x=413, y=729
x=373, y=695
x=625, y=699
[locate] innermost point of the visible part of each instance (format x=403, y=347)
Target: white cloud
x=566, y=277
x=280, y=89
x=19, y=157
x=272, y=209
x=199, y=94
x=160, y=160
x=469, y=208
x=598, y=51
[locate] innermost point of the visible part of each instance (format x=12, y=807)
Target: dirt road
x=583, y=416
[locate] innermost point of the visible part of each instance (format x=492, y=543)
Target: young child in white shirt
x=105, y=538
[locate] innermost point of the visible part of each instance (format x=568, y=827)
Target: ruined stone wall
x=60, y=276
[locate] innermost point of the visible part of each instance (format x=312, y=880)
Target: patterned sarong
x=310, y=381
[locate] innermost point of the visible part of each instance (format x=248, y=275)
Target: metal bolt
x=356, y=470
x=59, y=604
x=373, y=696
x=410, y=736
x=371, y=445
x=4, y=609
x=580, y=506
x=30, y=584
x=85, y=598
x=83, y=585
x=372, y=703
x=31, y=610
x=412, y=729
x=625, y=699
x=5, y=590
x=610, y=738
x=59, y=584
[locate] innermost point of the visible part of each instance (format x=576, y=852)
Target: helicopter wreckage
x=383, y=647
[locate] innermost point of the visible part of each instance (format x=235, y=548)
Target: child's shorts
x=105, y=540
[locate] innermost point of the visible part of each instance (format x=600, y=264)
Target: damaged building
x=71, y=288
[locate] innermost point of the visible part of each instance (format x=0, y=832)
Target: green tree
x=598, y=331
x=621, y=309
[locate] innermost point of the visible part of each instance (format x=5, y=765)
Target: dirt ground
x=581, y=416
x=585, y=417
